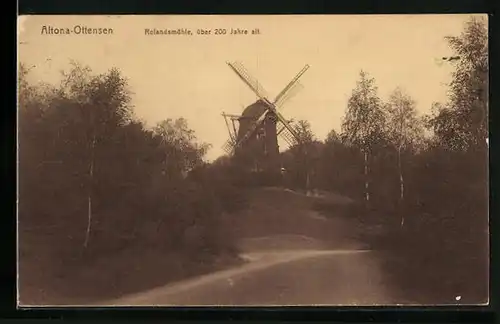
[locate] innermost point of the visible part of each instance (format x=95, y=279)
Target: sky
x=174, y=76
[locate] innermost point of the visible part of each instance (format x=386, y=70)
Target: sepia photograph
x=252, y=160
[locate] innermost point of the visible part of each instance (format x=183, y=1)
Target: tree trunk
x=367, y=194
x=89, y=195
x=306, y=167
x=401, y=186
x=307, y=181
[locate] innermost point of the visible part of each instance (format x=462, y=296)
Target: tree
x=364, y=121
x=339, y=166
x=301, y=158
x=102, y=104
x=306, y=149
x=333, y=137
x=404, y=130
x=69, y=133
x=462, y=123
x=182, y=151
x=304, y=132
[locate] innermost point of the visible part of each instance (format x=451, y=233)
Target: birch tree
x=363, y=124
x=404, y=129
x=100, y=104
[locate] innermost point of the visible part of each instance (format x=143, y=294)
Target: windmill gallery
x=253, y=135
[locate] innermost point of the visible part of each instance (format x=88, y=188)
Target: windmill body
x=260, y=151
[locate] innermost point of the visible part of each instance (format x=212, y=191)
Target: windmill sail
x=291, y=83
x=231, y=134
x=250, y=81
x=228, y=146
x=287, y=137
x=286, y=124
x=289, y=95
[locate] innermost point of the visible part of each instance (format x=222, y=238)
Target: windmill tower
x=254, y=134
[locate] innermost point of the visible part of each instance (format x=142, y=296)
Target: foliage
x=454, y=211
x=363, y=125
x=304, y=132
x=179, y=144
x=404, y=127
x=364, y=120
x=301, y=161
x=94, y=181
x=442, y=250
x=462, y=123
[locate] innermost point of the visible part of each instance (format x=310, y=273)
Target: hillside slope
x=295, y=256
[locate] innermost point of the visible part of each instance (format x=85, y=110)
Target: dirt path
x=279, y=278
x=295, y=256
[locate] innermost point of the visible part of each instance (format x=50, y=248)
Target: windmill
x=253, y=135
